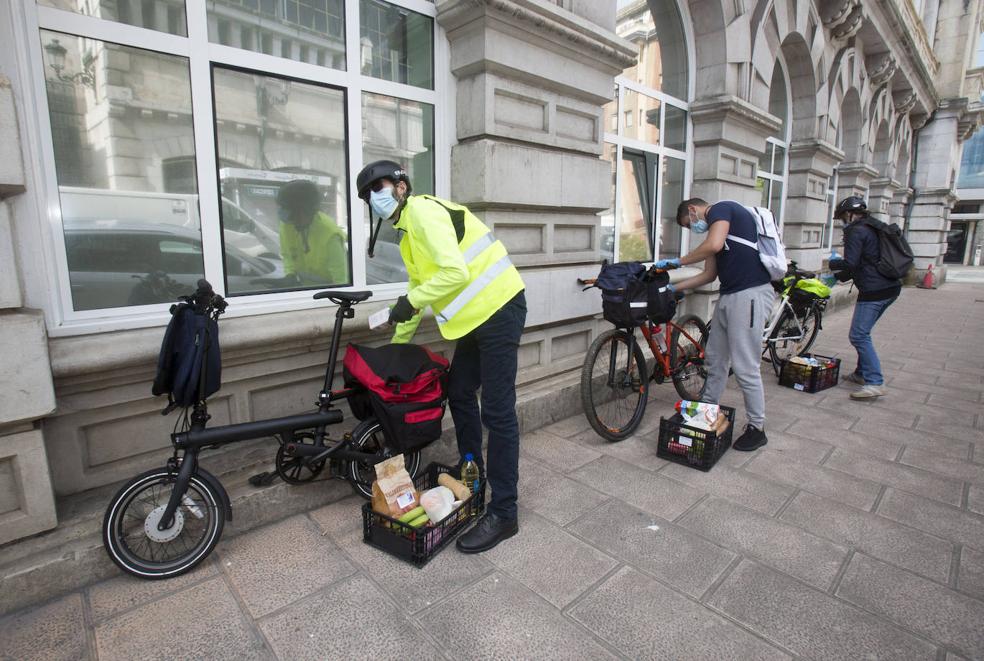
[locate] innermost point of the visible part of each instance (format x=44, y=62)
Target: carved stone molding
x=844, y=19
x=880, y=68
x=555, y=23
x=905, y=101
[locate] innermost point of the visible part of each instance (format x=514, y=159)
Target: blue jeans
x=866, y=315
x=488, y=357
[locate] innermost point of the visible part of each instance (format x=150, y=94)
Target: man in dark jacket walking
x=875, y=292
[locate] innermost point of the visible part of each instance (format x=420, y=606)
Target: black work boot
x=751, y=439
x=487, y=533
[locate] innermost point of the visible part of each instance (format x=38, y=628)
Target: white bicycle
x=795, y=320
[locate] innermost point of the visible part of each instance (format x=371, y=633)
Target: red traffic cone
x=928, y=281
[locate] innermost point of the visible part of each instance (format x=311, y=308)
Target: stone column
x=881, y=192
x=729, y=139
x=532, y=79
x=27, y=504
x=900, y=201
x=852, y=179
x=811, y=162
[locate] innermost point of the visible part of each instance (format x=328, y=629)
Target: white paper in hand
x=379, y=318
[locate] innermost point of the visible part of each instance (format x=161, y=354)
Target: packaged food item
x=396, y=487
x=460, y=491
x=437, y=502
x=698, y=414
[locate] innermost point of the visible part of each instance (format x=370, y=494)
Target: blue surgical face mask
x=698, y=226
x=383, y=203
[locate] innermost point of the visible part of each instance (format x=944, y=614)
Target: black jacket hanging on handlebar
x=183, y=356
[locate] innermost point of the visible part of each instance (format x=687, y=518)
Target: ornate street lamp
x=56, y=60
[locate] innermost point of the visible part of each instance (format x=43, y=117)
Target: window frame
x=772, y=177
x=201, y=55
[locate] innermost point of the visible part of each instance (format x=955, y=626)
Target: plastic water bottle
x=470, y=475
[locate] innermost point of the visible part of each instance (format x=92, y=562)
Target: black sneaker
x=487, y=533
x=751, y=439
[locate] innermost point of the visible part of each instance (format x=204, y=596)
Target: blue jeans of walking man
x=866, y=315
x=488, y=358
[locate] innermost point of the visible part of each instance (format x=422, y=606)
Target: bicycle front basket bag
x=624, y=295
x=806, y=292
x=406, y=386
x=183, y=356
x=660, y=302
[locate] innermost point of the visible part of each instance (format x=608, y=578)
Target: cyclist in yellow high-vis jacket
x=457, y=267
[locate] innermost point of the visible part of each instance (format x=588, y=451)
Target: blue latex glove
x=665, y=264
x=677, y=295
x=828, y=280
x=834, y=255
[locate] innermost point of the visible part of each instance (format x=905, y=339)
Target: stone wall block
x=11, y=166
x=27, y=505
x=534, y=238
x=10, y=292
x=26, y=377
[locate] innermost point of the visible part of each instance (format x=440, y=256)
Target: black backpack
x=894, y=254
x=183, y=356
x=630, y=293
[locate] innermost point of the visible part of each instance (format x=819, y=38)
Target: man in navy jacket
x=876, y=292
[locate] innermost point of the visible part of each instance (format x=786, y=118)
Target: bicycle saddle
x=343, y=296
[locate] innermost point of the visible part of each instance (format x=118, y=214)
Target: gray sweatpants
x=735, y=342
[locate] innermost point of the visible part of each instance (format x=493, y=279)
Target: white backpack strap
x=744, y=242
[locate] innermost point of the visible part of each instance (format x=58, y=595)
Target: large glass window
x=311, y=31
x=132, y=233
x=403, y=131
x=163, y=15
x=771, y=181
x=648, y=136
x=172, y=159
x=396, y=44
x=282, y=178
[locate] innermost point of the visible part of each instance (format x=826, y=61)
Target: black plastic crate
x=418, y=545
x=807, y=378
x=693, y=446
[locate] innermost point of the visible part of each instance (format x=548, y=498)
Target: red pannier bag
x=405, y=388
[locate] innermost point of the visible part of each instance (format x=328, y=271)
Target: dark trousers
x=487, y=358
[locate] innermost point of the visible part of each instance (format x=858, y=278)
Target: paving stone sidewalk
x=858, y=532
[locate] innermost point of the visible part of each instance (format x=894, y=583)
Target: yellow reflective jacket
x=465, y=282
x=317, y=255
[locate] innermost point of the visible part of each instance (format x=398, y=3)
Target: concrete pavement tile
x=875, y=535
x=971, y=572
x=558, y=453
x=674, y=555
x=552, y=495
x=51, y=632
x=413, y=589
x=278, y=564
x=951, y=467
x=202, y=622
x=943, y=444
x=815, y=479
x=780, y=545
x=350, y=620
x=738, y=486
x=638, y=449
x=940, y=403
x=523, y=626
x=975, y=501
x=810, y=623
x=648, y=491
x=643, y=619
x=574, y=565
x=912, y=480
x=965, y=393
x=900, y=414
x=568, y=427
x=118, y=594
x=825, y=440
x=933, y=517
x=959, y=426
x=936, y=612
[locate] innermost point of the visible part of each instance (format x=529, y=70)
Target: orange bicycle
x=616, y=375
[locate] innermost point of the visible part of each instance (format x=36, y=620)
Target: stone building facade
x=573, y=127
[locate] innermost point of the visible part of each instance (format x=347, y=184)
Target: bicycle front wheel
x=139, y=547
x=368, y=437
x=614, y=385
x=793, y=335
x=687, y=345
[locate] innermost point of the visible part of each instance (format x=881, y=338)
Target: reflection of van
x=82, y=206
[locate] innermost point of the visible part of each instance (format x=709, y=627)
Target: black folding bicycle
x=165, y=521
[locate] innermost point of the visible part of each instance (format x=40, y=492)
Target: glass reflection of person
x=312, y=245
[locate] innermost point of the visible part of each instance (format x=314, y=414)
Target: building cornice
x=731, y=108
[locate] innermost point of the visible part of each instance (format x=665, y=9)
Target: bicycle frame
x=197, y=437
x=652, y=331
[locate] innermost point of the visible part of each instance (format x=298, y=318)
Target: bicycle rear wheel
x=687, y=358
x=368, y=437
x=614, y=385
x=793, y=336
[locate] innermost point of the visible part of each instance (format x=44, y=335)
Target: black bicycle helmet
x=380, y=170
x=850, y=204
x=300, y=196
